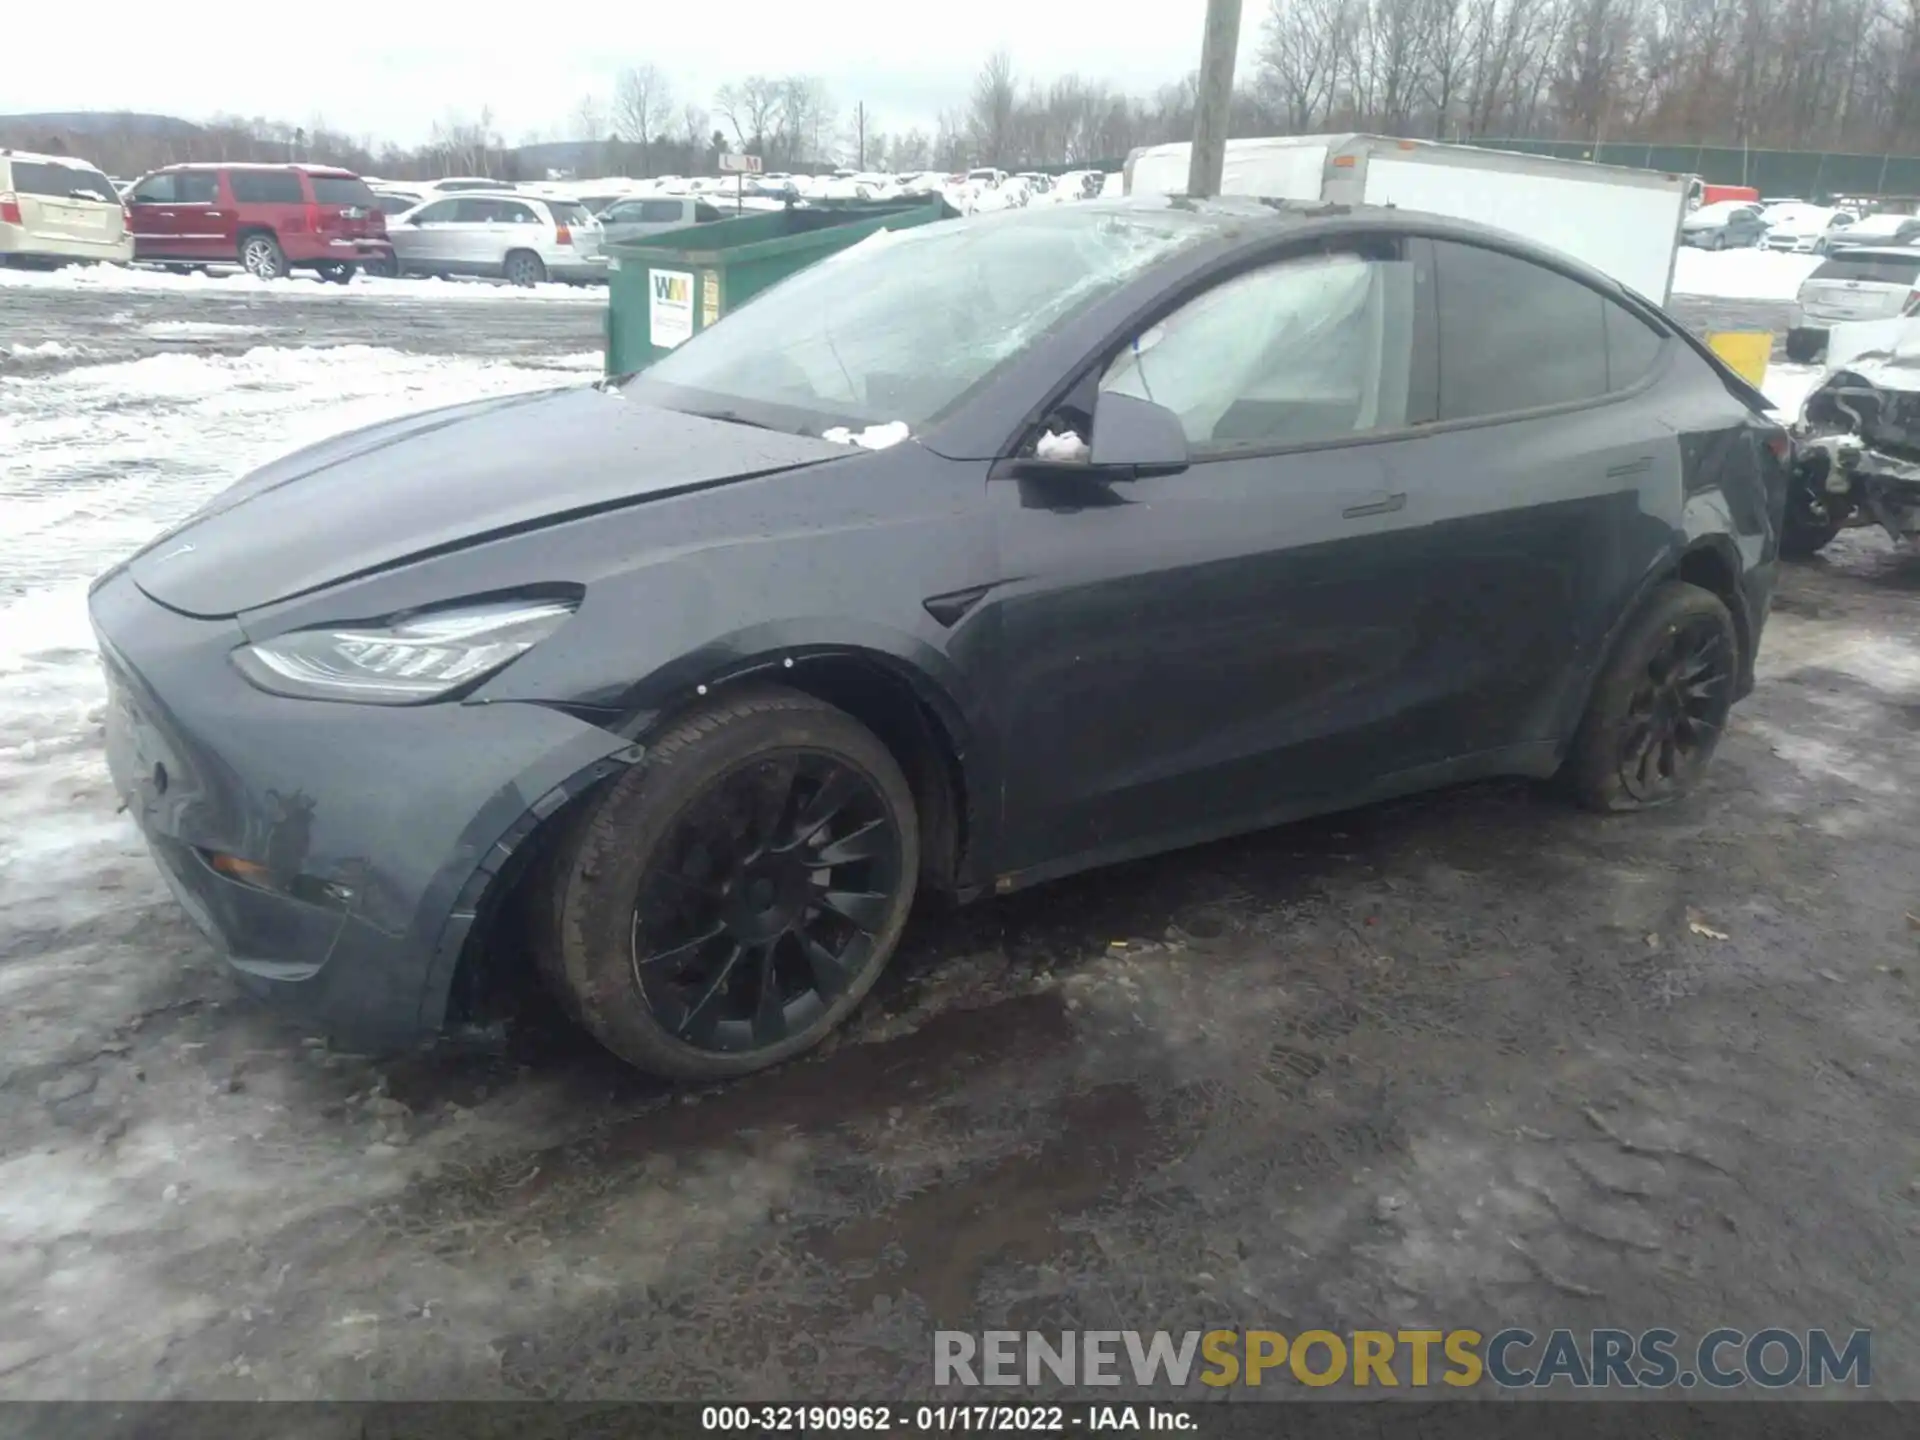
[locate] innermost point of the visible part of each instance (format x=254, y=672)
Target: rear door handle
x=1380, y=503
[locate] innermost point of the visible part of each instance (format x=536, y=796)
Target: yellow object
x=1747, y=351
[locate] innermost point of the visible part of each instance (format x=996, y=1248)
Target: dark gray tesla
x=1206, y=517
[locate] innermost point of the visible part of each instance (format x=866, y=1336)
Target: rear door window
x=347, y=190
x=265, y=187
x=1514, y=335
x=662, y=212
x=61, y=182
x=512, y=212
x=198, y=187
x=1877, y=269
x=476, y=210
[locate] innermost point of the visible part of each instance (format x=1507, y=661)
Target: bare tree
x=1302, y=50
x=642, y=109
x=749, y=107
x=990, y=119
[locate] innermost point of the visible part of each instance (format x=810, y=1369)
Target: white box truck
x=1624, y=223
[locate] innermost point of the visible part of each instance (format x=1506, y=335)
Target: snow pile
x=45, y=350
x=104, y=278
x=1741, y=274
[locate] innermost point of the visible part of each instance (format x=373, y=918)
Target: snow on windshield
x=900, y=330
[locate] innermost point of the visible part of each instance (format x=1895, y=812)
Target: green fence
x=1808, y=174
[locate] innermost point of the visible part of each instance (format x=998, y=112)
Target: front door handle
x=1379, y=503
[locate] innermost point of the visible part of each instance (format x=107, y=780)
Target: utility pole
x=860, y=119
x=1214, y=104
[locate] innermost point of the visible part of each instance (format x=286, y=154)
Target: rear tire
x=262, y=257
x=524, y=268
x=340, y=272
x=732, y=898
x=1802, y=539
x=1660, y=706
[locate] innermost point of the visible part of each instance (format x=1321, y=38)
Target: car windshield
x=901, y=326
x=1719, y=212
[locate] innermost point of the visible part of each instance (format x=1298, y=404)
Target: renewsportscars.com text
x=1511, y=1358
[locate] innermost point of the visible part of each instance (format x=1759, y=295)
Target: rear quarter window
x=565, y=212
x=343, y=190
x=255, y=187
x=1878, y=269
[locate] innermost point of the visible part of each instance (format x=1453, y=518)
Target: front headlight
x=416, y=657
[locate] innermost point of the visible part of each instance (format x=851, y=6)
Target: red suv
x=268, y=218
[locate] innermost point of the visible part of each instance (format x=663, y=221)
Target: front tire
x=732, y=898
x=525, y=268
x=262, y=257
x=1660, y=706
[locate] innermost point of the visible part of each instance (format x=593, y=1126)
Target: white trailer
x=1624, y=223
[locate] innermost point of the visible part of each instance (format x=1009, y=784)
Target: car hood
x=383, y=496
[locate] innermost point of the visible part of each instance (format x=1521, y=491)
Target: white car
x=509, y=235
x=1862, y=283
x=1800, y=229
x=57, y=209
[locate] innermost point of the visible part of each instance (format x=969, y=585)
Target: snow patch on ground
x=197, y=329
x=96, y=460
x=45, y=350
x=98, y=278
x=1741, y=274
x=1788, y=386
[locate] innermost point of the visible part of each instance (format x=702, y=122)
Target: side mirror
x=1130, y=432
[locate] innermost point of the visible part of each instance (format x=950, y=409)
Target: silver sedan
x=521, y=238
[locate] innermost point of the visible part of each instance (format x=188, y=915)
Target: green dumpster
x=669, y=287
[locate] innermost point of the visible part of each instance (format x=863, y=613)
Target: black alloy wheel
x=1660, y=704
x=765, y=901
x=726, y=902
x=1675, y=715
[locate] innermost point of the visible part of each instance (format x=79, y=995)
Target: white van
x=54, y=208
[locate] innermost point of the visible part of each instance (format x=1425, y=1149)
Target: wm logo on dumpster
x=674, y=289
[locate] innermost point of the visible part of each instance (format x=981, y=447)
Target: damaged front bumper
x=1857, y=444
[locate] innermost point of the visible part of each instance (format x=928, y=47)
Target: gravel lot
x=1471, y=1059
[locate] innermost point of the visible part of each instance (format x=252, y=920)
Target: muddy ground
x=1473, y=1059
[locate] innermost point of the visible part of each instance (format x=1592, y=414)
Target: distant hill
x=101, y=122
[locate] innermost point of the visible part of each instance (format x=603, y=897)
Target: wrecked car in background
x=1857, y=451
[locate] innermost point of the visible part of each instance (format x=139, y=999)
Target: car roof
x=1883, y=252
x=330, y=172
x=72, y=162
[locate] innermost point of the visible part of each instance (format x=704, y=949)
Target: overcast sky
x=392, y=70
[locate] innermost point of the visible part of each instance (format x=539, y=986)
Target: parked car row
x=1793, y=226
